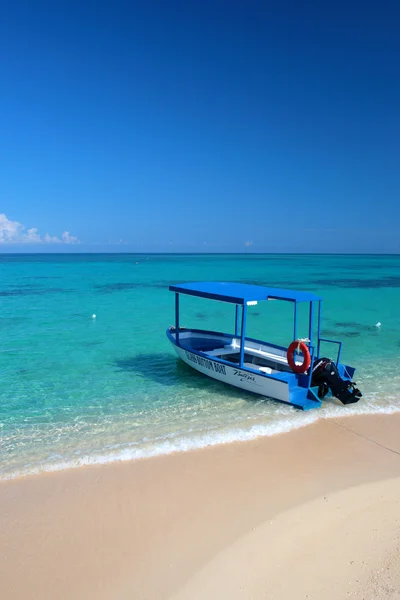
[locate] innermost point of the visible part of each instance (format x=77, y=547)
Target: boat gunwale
x=226, y=362
x=232, y=335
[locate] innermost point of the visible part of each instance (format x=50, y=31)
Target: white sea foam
x=172, y=443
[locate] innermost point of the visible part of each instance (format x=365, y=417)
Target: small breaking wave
x=223, y=435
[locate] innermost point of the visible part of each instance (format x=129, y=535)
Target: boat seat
x=266, y=370
x=221, y=351
x=264, y=354
x=250, y=366
x=253, y=367
x=233, y=349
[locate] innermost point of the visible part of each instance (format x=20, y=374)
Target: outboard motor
x=326, y=376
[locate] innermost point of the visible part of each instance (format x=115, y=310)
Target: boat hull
x=232, y=375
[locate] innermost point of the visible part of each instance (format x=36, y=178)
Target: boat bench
x=221, y=351
x=253, y=367
x=230, y=349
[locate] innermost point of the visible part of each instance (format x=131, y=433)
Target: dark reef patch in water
x=12, y=321
x=290, y=285
x=23, y=371
x=118, y=287
x=42, y=277
x=201, y=316
x=162, y=285
x=91, y=344
x=388, y=282
x=367, y=266
x=334, y=334
x=121, y=286
x=26, y=291
x=356, y=326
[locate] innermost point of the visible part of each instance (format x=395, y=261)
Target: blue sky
x=200, y=126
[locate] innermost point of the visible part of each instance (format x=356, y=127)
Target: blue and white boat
x=264, y=368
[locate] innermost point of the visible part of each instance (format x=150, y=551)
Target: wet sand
x=314, y=513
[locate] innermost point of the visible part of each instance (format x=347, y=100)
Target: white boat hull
x=245, y=380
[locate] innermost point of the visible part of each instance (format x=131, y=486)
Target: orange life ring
x=298, y=345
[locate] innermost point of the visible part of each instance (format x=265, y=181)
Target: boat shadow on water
x=166, y=369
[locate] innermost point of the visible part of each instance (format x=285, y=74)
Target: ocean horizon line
x=142, y=253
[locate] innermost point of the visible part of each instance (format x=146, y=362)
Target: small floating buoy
x=93, y=316
x=378, y=324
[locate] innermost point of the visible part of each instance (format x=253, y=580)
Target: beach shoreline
x=159, y=527
x=194, y=442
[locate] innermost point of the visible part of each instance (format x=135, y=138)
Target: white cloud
x=32, y=235
x=67, y=238
x=51, y=239
x=248, y=244
x=13, y=232
x=9, y=230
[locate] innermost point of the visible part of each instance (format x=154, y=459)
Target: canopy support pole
x=319, y=326
x=177, y=318
x=310, y=328
x=237, y=320
x=243, y=334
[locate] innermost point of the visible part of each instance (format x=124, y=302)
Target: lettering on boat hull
x=244, y=376
x=206, y=362
x=235, y=376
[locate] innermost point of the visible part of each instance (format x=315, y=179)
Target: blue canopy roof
x=240, y=293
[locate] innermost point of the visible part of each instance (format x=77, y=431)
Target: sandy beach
x=314, y=513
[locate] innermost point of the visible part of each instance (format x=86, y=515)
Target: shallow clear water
x=77, y=390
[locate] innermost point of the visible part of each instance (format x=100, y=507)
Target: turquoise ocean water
x=76, y=390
